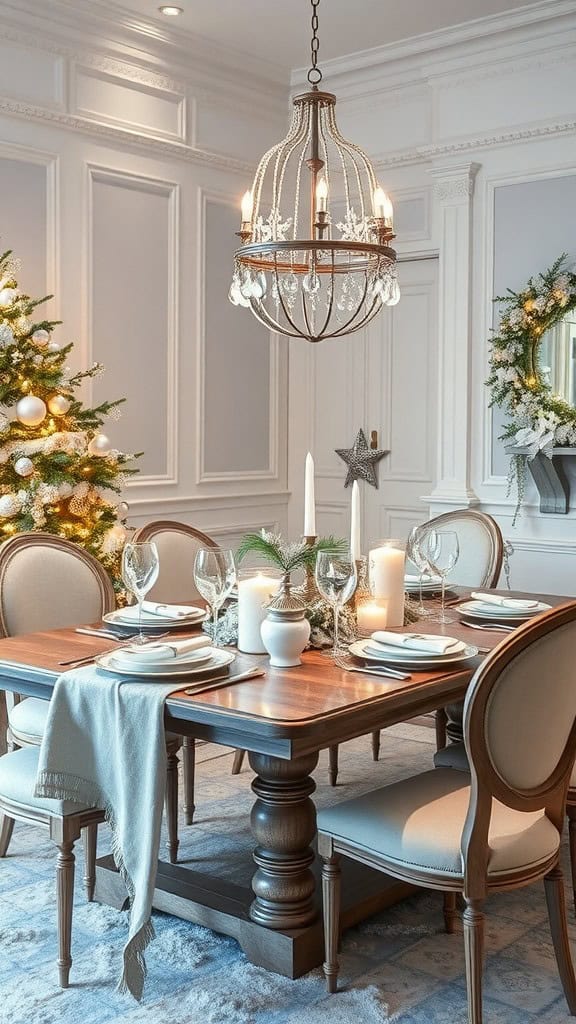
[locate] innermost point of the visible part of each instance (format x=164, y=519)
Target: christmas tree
x=58, y=472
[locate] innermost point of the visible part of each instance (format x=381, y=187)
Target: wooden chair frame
x=64, y=829
x=486, y=784
x=490, y=579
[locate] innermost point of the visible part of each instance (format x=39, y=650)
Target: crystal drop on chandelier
x=315, y=259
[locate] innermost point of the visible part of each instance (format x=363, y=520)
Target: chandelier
x=315, y=260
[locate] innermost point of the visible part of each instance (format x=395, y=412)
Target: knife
x=215, y=684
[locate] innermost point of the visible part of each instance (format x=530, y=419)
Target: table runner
x=105, y=746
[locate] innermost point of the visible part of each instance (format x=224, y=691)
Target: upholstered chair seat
x=493, y=828
x=27, y=720
x=18, y=772
x=65, y=821
x=419, y=822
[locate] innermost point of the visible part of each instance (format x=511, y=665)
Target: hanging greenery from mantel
x=539, y=420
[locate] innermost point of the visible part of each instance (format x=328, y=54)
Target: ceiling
x=279, y=30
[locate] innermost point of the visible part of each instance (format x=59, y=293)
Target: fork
x=493, y=627
x=390, y=673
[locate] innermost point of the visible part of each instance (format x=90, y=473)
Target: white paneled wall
x=463, y=123
x=122, y=160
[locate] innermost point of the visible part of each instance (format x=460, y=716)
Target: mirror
x=557, y=358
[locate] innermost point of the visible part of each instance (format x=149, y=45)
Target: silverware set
x=350, y=666
x=491, y=627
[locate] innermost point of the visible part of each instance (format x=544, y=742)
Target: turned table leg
x=283, y=824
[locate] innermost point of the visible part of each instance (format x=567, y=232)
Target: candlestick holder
x=309, y=590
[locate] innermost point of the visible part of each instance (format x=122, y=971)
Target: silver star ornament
x=361, y=460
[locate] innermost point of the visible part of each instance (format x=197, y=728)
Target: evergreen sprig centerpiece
x=288, y=556
x=58, y=472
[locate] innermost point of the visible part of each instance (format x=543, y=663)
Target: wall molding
x=272, y=471
x=180, y=101
x=97, y=173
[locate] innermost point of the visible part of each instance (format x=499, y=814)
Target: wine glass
x=336, y=581
x=442, y=550
x=214, y=576
x=415, y=550
x=140, y=566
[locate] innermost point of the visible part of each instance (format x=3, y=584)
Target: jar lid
x=287, y=602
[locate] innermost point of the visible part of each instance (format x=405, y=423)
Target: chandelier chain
x=314, y=74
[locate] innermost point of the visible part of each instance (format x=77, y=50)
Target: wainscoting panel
x=133, y=261
x=110, y=99
x=238, y=374
x=28, y=218
x=30, y=75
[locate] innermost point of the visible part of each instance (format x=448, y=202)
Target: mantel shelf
x=549, y=476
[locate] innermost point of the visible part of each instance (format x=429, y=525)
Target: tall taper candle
x=355, y=540
x=309, y=502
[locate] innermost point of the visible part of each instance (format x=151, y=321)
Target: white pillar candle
x=372, y=615
x=254, y=593
x=355, y=541
x=386, y=576
x=309, y=501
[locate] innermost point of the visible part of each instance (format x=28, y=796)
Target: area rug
x=398, y=967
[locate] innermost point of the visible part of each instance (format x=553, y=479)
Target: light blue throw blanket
x=105, y=746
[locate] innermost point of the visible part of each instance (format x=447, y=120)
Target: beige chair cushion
x=18, y=780
x=418, y=824
x=48, y=588
x=452, y=756
x=28, y=718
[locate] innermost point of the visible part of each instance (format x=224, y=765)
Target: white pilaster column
x=453, y=192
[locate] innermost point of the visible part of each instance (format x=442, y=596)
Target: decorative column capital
x=455, y=183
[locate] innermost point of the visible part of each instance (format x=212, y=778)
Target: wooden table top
x=315, y=700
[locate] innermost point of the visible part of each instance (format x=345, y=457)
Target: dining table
x=283, y=719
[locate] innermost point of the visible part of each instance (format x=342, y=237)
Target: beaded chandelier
x=315, y=259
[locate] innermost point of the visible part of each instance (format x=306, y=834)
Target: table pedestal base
x=225, y=907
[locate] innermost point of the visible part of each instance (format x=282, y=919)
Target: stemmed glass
x=415, y=550
x=336, y=581
x=140, y=566
x=441, y=549
x=214, y=576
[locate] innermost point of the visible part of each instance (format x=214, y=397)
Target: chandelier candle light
x=301, y=273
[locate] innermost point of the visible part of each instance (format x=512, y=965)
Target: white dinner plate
x=219, y=660
x=428, y=661
x=384, y=650
x=151, y=622
x=477, y=610
x=184, y=660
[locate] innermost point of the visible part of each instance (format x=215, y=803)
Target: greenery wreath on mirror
x=539, y=419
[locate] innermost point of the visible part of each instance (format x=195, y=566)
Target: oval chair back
x=177, y=545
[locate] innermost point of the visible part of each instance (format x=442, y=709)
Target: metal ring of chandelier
x=315, y=260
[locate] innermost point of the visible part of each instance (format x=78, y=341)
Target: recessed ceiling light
x=170, y=11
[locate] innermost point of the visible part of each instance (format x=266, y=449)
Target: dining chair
x=498, y=828
x=48, y=582
x=65, y=821
x=479, y=564
x=177, y=545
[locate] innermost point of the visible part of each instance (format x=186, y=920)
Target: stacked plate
x=512, y=611
x=412, y=650
x=183, y=658
x=430, y=584
x=156, y=618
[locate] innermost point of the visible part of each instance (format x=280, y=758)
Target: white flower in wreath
x=540, y=304
x=562, y=282
x=516, y=318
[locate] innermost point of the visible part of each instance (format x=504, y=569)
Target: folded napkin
x=145, y=654
x=426, y=578
x=415, y=641
x=504, y=602
x=104, y=746
x=162, y=611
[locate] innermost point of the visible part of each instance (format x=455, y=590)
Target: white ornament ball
x=30, y=410
x=41, y=338
x=114, y=539
x=122, y=509
x=65, y=490
x=58, y=405
x=8, y=296
x=24, y=466
x=9, y=505
x=99, y=445
x=53, y=346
